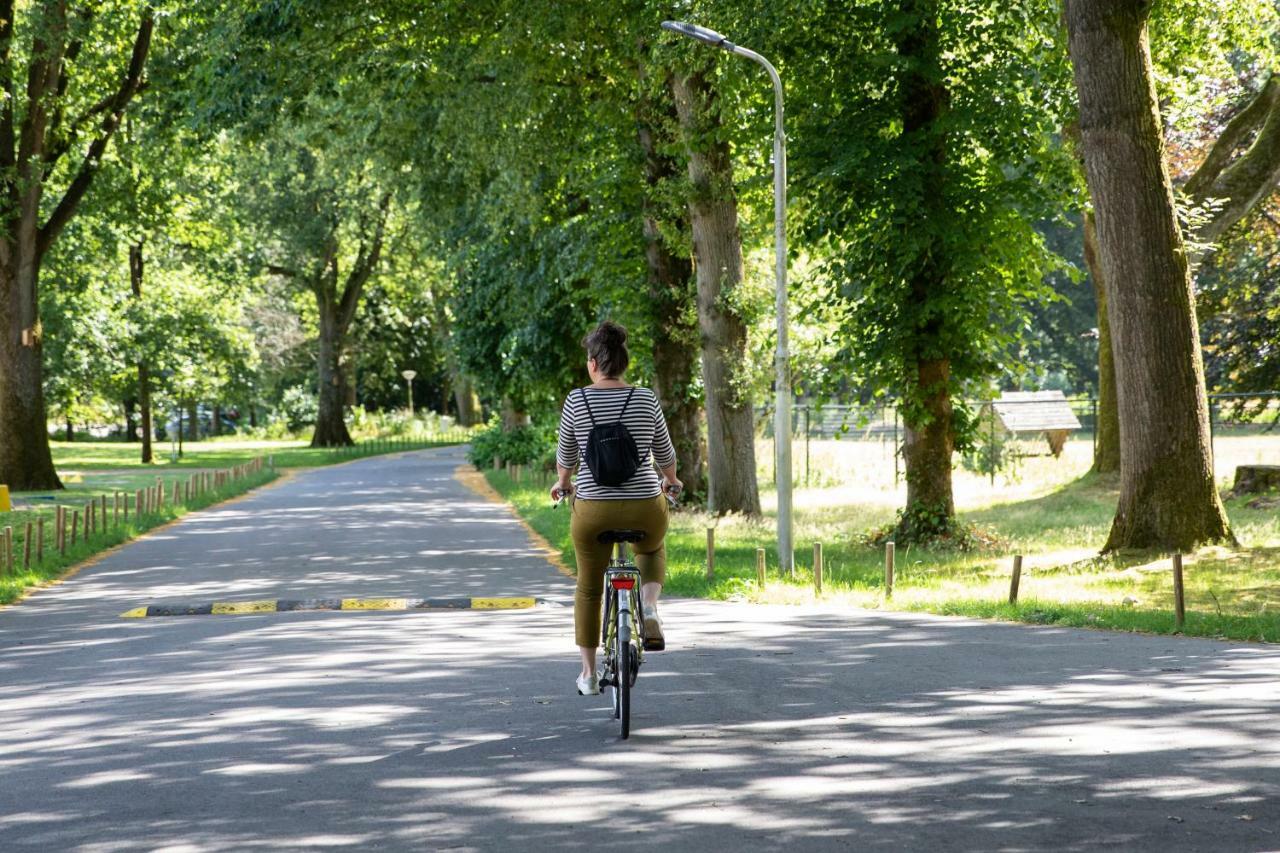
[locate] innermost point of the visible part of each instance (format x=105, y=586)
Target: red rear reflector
x=623, y=583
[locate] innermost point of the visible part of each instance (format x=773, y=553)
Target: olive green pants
x=590, y=518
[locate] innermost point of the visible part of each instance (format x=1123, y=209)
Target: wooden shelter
x=1030, y=412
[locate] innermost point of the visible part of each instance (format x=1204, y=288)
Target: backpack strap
x=582, y=392
x=626, y=402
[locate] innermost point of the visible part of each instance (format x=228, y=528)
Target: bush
x=396, y=422
x=528, y=445
x=299, y=407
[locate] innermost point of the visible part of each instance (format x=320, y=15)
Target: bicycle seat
x=613, y=537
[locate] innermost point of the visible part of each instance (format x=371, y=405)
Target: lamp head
x=702, y=34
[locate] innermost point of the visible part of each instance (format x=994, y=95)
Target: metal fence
x=1245, y=429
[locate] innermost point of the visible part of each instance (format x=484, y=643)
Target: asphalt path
x=809, y=728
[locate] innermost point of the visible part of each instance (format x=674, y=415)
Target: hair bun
x=613, y=333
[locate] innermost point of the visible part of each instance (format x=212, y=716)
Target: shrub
x=299, y=407
x=528, y=445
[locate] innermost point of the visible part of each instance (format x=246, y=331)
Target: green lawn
x=225, y=452
x=1231, y=592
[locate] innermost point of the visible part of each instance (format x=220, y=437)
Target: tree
x=40, y=122
x=672, y=290
x=1168, y=498
x=717, y=253
x=323, y=224
x=1196, y=44
x=932, y=159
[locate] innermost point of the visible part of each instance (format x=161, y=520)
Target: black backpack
x=611, y=451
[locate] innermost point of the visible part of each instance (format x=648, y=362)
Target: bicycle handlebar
x=669, y=491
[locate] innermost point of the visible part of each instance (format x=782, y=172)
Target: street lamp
x=408, y=380
x=782, y=415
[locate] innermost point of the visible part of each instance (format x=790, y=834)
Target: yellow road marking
x=135, y=613
x=373, y=604
x=501, y=603
x=226, y=607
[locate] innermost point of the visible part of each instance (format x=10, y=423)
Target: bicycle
x=622, y=625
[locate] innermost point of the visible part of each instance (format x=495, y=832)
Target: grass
x=55, y=564
x=1052, y=512
x=226, y=452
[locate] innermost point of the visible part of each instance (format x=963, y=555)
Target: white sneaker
x=589, y=685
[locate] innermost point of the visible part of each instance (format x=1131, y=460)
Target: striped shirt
x=643, y=419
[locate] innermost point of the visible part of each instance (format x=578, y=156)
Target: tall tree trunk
x=137, y=271
x=337, y=303
x=331, y=426
x=193, y=421
x=672, y=303
x=215, y=424
x=131, y=419
x=514, y=415
x=144, y=405
x=464, y=394
x=25, y=460
x=927, y=413
x=1168, y=498
x=1106, y=458
x=717, y=253
x=70, y=431
x=926, y=450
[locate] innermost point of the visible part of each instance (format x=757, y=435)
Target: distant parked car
x=204, y=417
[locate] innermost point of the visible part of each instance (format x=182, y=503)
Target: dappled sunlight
x=803, y=727
x=791, y=723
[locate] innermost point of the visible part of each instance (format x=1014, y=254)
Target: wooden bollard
x=89, y=518
x=177, y=493
x=159, y=493
x=140, y=503
x=497, y=464
x=60, y=529
x=1179, y=596
x=711, y=553
x=26, y=547
x=75, y=526
x=760, y=567
x=6, y=551
x=115, y=518
x=888, y=568
x=1016, y=579
x=817, y=567
x=186, y=492
x=40, y=540
x=103, y=503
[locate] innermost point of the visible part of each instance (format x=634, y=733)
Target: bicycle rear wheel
x=622, y=689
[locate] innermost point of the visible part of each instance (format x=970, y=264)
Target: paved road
x=761, y=727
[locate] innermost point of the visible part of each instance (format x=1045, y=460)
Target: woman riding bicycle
x=637, y=503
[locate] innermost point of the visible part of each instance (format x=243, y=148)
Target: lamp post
x=782, y=384
x=408, y=380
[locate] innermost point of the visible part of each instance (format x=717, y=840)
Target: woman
x=637, y=503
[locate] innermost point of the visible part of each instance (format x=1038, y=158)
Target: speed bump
x=283, y=605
